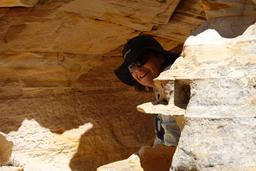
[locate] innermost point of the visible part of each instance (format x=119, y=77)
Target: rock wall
x=14, y=3
x=220, y=126
x=57, y=61
x=60, y=106
x=213, y=85
x=56, y=68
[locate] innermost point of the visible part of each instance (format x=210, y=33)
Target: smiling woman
x=144, y=74
x=144, y=60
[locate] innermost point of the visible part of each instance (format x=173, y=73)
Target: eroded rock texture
x=220, y=129
x=56, y=66
x=132, y=163
x=114, y=135
x=214, y=81
x=37, y=148
x=14, y=3
x=11, y=168
x=5, y=150
x=56, y=69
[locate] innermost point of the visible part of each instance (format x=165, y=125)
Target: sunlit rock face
x=132, y=163
x=220, y=128
x=214, y=83
x=37, y=148
x=60, y=108
x=219, y=8
x=85, y=27
x=15, y=3
x=56, y=69
x=11, y=168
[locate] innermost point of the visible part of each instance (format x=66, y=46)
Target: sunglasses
x=138, y=64
x=134, y=66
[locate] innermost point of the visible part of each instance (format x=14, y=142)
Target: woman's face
x=146, y=73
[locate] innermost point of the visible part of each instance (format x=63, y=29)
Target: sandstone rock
x=57, y=35
x=228, y=27
x=220, y=125
x=10, y=168
x=216, y=144
x=206, y=64
x=32, y=92
x=209, y=42
x=156, y=158
x=187, y=17
x=36, y=148
x=57, y=62
x=13, y=3
x=130, y=164
x=218, y=8
x=5, y=149
x=160, y=109
x=139, y=15
x=20, y=70
x=51, y=25
x=214, y=81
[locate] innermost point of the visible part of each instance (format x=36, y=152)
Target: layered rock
x=229, y=18
x=130, y=164
x=138, y=15
x=11, y=168
x=114, y=135
x=14, y=3
x=50, y=22
x=218, y=8
x=56, y=64
x=36, y=148
x=52, y=25
x=214, y=81
x=187, y=17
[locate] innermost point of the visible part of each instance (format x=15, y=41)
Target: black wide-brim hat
x=133, y=52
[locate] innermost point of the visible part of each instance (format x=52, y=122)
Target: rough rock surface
x=5, y=150
x=11, y=168
x=57, y=62
x=36, y=148
x=130, y=164
x=52, y=24
x=220, y=129
x=219, y=8
x=114, y=135
x=215, y=81
x=139, y=15
x=14, y=3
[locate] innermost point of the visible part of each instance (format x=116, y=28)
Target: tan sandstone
x=220, y=112
x=57, y=61
x=13, y=3
x=36, y=148
x=5, y=149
